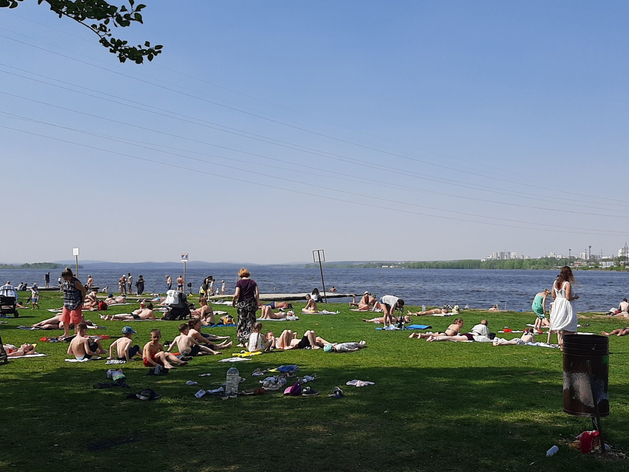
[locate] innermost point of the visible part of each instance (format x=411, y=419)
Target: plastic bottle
x=231, y=382
x=552, y=451
x=423, y=307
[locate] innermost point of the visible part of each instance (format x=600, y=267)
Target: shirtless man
x=111, y=300
x=82, y=347
x=129, y=283
x=122, y=284
x=623, y=307
x=187, y=345
x=137, y=315
x=616, y=332
x=90, y=282
x=91, y=301
x=453, y=330
x=180, y=284
x=279, y=305
x=169, y=282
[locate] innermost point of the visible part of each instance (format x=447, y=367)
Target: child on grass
x=153, y=353
x=256, y=343
x=124, y=350
x=34, y=297
x=83, y=347
x=188, y=346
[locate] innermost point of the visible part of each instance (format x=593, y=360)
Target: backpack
x=102, y=305
x=293, y=390
x=226, y=320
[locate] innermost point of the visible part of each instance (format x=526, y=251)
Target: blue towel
x=395, y=328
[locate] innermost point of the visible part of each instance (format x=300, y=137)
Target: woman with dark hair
x=563, y=316
x=246, y=300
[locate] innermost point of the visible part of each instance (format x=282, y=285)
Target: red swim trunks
x=147, y=363
x=71, y=316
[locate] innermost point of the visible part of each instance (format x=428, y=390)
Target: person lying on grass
x=124, y=350
x=617, y=332
x=83, y=347
x=23, y=350
x=310, y=340
x=256, y=342
x=91, y=301
x=527, y=337
x=279, y=305
x=187, y=345
x=365, y=303
x=453, y=330
x=345, y=347
x=479, y=333
x=436, y=311
x=380, y=320
x=153, y=353
x=139, y=314
x=194, y=325
x=267, y=313
x=56, y=323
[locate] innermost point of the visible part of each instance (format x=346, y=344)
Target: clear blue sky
x=406, y=130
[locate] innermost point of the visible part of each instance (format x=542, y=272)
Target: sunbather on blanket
x=137, y=315
x=56, y=323
x=365, y=303
x=91, y=301
x=279, y=305
x=527, y=337
x=435, y=311
x=23, y=350
x=83, y=347
x=205, y=312
x=310, y=340
x=194, y=325
x=453, y=330
x=345, y=347
x=380, y=319
x=311, y=305
x=267, y=313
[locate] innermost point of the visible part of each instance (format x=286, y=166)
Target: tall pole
x=75, y=253
x=318, y=255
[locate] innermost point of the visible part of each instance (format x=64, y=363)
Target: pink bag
x=293, y=390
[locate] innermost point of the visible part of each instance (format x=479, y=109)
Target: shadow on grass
x=431, y=419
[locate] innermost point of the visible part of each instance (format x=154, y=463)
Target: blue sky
x=405, y=130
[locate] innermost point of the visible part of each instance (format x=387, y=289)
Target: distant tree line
x=544, y=263
x=35, y=265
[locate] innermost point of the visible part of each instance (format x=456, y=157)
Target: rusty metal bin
x=585, y=375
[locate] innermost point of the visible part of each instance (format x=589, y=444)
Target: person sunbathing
x=56, y=323
x=345, y=347
x=365, y=303
x=23, y=350
x=279, y=305
x=137, y=315
x=527, y=337
x=195, y=333
x=91, y=301
x=380, y=319
x=288, y=340
x=311, y=305
x=453, y=330
x=617, y=332
x=153, y=353
x=111, y=300
x=479, y=333
x=434, y=311
x=205, y=312
x=267, y=313
x=187, y=345
x=494, y=308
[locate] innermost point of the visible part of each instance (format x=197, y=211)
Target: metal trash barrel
x=582, y=393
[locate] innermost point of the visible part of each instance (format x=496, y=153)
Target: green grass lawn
x=435, y=406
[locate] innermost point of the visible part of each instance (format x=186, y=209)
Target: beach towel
x=287, y=318
x=417, y=326
x=235, y=359
x=84, y=360
x=36, y=354
x=115, y=361
x=220, y=326
x=360, y=383
x=246, y=354
x=323, y=312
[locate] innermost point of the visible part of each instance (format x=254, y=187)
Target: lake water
x=510, y=289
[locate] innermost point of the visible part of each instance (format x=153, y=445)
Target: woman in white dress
x=563, y=317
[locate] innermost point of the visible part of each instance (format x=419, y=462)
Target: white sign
x=75, y=251
x=185, y=257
